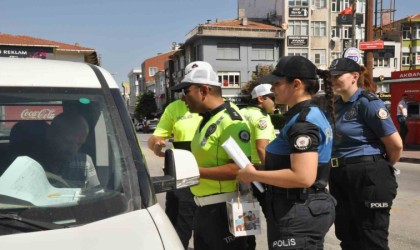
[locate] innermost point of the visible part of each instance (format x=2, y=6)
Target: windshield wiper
x=39, y=224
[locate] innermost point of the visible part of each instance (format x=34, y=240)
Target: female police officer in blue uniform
x=362, y=179
x=299, y=210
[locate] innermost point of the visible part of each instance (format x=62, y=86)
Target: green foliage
x=145, y=106
x=262, y=70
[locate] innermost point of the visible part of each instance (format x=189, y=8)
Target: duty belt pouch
x=244, y=215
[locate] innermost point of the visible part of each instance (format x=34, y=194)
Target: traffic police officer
x=259, y=121
x=217, y=171
x=362, y=179
x=299, y=209
x=178, y=122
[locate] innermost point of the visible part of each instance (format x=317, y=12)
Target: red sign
x=405, y=74
x=379, y=44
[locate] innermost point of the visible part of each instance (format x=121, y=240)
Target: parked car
x=139, y=126
x=122, y=211
x=150, y=125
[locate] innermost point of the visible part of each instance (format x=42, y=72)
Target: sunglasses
x=272, y=97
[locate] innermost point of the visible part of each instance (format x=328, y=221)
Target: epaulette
x=369, y=95
x=234, y=115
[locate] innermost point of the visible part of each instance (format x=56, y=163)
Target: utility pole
x=353, y=35
x=369, y=36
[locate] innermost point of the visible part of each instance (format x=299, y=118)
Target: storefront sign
x=405, y=74
x=24, y=52
x=348, y=19
x=298, y=12
x=372, y=45
x=297, y=41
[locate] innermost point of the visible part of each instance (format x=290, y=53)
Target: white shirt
x=402, y=105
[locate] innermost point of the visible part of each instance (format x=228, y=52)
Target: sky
x=125, y=32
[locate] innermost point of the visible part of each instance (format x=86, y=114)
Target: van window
x=62, y=159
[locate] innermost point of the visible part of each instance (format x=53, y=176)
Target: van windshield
x=61, y=157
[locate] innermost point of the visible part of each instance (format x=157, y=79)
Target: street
x=405, y=222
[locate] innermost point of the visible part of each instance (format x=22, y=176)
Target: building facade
x=32, y=47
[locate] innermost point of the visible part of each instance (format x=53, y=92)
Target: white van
x=104, y=201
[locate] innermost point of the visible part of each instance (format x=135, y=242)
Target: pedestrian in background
x=221, y=120
x=178, y=122
x=366, y=146
x=299, y=209
x=402, y=117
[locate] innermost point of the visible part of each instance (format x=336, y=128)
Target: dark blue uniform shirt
x=360, y=123
x=314, y=134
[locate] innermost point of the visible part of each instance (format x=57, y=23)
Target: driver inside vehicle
x=64, y=165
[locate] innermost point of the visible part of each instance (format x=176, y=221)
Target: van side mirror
x=181, y=171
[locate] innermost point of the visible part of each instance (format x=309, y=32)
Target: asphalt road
x=405, y=213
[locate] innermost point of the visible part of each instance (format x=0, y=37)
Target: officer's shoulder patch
x=303, y=142
x=382, y=114
x=244, y=136
x=262, y=124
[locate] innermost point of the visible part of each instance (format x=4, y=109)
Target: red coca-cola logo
x=43, y=114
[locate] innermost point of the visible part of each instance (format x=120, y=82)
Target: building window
x=416, y=33
x=153, y=71
x=318, y=56
x=263, y=52
x=318, y=28
x=298, y=28
x=335, y=31
x=298, y=3
x=334, y=5
x=406, y=33
x=228, y=51
x=319, y=3
x=229, y=79
x=346, y=32
x=361, y=7
x=298, y=52
x=405, y=60
x=381, y=62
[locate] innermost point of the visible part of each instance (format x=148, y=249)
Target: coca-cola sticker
x=15, y=113
x=43, y=114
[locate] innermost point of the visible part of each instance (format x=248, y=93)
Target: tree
x=145, y=105
x=262, y=70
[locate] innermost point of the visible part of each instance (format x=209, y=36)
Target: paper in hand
x=238, y=156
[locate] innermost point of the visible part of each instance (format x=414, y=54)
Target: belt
x=214, y=199
x=295, y=194
x=336, y=162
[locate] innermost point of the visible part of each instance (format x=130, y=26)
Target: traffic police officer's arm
x=303, y=160
x=393, y=147
x=261, y=144
x=156, y=143
x=163, y=130
x=223, y=172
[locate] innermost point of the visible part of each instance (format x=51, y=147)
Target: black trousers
x=297, y=224
x=403, y=127
x=211, y=230
x=364, y=193
x=180, y=208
